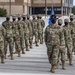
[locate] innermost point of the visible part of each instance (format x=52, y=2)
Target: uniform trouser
x=26, y=37
x=30, y=38
x=73, y=44
x=53, y=53
x=8, y=40
x=36, y=36
x=1, y=48
x=17, y=43
x=62, y=54
x=69, y=50
x=22, y=42
x=40, y=37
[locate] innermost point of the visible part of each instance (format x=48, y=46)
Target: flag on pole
x=52, y=13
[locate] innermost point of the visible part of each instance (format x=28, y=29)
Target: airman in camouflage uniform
x=8, y=37
x=2, y=53
x=35, y=30
x=16, y=36
x=68, y=40
x=54, y=39
x=21, y=33
x=40, y=29
x=43, y=25
x=26, y=32
x=62, y=51
x=30, y=31
x=72, y=26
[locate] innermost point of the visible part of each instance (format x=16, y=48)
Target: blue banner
x=52, y=12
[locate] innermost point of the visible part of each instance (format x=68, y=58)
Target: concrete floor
x=33, y=62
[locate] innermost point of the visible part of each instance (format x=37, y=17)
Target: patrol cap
x=59, y=20
x=28, y=16
x=52, y=17
x=71, y=16
x=24, y=16
x=37, y=16
x=34, y=16
x=19, y=16
x=14, y=16
x=40, y=16
x=66, y=20
x=7, y=16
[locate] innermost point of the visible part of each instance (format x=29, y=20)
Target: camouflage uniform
x=39, y=29
x=30, y=31
x=16, y=36
x=68, y=40
x=72, y=26
x=8, y=37
x=43, y=25
x=21, y=33
x=2, y=54
x=52, y=35
x=62, y=51
x=35, y=30
x=26, y=32
x=54, y=40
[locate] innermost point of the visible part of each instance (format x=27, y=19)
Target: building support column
x=45, y=11
x=28, y=7
x=45, y=8
x=30, y=11
x=61, y=7
x=62, y=10
x=70, y=10
x=66, y=11
x=10, y=7
x=23, y=8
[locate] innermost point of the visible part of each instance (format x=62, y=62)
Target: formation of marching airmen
x=58, y=39
x=19, y=33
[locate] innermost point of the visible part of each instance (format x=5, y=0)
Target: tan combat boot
x=2, y=59
x=70, y=61
x=63, y=65
x=12, y=58
x=56, y=66
x=52, y=69
x=31, y=46
x=27, y=48
x=37, y=44
x=23, y=52
x=41, y=42
x=5, y=56
x=19, y=55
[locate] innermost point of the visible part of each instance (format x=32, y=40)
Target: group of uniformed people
x=58, y=39
x=19, y=34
